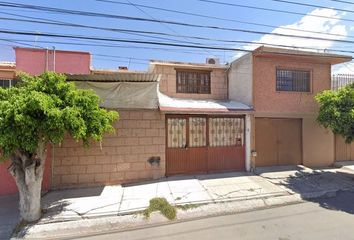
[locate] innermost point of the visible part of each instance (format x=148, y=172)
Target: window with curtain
x=226, y=132
x=193, y=81
x=176, y=137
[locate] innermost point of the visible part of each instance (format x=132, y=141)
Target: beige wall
x=168, y=83
x=318, y=144
x=140, y=134
x=7, y=72
x=267, y=99
x=240, y=80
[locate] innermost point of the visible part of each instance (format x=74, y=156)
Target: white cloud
x=308, y=23
x=345, y=68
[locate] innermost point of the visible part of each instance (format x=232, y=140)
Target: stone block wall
x=123, y=157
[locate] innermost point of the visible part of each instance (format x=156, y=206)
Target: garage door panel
x=266, y=142
x=289, y=141
x=278, y=142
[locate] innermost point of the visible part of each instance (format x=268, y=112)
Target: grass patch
x=162, y=205
x=188, y=206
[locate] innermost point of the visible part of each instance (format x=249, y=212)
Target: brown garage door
x=203, y=144
x=278, y=141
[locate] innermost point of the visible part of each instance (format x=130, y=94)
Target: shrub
x=162, y=205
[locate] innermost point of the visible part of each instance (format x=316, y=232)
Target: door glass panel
x=176, y=132
x=197, y=132
x=226, y=132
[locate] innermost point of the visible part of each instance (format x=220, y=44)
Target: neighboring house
x=7, y=74
x=188, y=118
x=36, y=61
x=281, y=84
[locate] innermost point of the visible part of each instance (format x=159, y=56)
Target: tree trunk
x=27, y=170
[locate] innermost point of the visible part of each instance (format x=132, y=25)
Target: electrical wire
x=122, y=17
x=223, y=19
x=149, y=42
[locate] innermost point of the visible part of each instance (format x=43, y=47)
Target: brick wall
x=140, y=134
x=267, y=99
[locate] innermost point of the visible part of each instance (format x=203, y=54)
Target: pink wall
x=36, y=61
x=7, y=182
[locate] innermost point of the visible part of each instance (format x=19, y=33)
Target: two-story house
x=205, y=131
x=281, y=85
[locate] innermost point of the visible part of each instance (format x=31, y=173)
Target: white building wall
x=240, y=80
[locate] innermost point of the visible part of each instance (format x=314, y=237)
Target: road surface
x=310, y=220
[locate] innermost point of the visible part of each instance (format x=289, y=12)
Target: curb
x=128, y=222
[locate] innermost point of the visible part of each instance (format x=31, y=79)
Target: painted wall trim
x=248, y=143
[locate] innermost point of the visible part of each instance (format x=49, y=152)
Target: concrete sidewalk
x=309, y=183
x=91, y=210
x=267, y=183
x=86, y=203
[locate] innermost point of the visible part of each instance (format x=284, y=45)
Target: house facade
x=281, y=85
x=188, y=118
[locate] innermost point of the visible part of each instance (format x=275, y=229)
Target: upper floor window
x=293, y=80
x=6, y=83
x=189, y=81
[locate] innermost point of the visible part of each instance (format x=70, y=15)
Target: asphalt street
x=324, y=218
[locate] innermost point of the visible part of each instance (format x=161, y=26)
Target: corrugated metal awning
x=170, y=104
x=115, y=77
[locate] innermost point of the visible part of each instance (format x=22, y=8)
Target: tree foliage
x=44, y=108
x=337, y=111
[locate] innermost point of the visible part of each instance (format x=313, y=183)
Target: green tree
x=337, y=111
x=40, y=111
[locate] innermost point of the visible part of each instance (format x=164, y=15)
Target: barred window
x=293, y=80
x=6, y=83
x=193, y=82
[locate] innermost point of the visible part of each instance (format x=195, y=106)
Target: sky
x=110, y=55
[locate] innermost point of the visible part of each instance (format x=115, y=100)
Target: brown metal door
x=266, y=142
x=278, y=142
x=186, y=150
x=226, y=151
x=289, y=141
x=201, y=144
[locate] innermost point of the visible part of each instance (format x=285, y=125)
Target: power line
x=159, y=33
x=223, y=19
x=341, y=1
x=111, y=57
x=312, y=5
x=67, y=24
x=190, y=51
x=147, y=42
x=93, y=14
x=275, y=10
x=164, y=25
